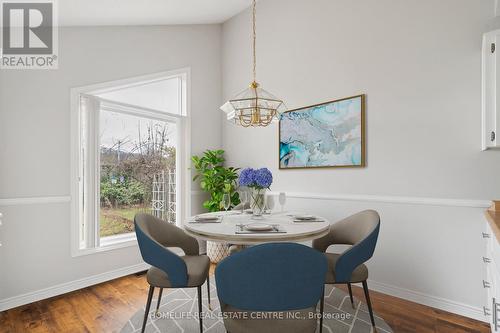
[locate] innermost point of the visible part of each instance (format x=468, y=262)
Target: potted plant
x=215, y=179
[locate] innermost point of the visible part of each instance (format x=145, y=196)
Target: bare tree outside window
x=134, y=151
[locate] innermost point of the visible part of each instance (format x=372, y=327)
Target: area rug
x=179, y=307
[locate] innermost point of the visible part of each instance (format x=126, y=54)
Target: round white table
x=225, y=231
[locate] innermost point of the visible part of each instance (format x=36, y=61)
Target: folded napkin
x=308, y=221
x=306, y=218
x=206, y=219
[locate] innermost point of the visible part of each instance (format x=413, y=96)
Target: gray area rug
x=179, y=308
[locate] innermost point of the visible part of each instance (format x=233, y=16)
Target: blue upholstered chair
x=168, y=269
x=361, y=232
x=280, y=282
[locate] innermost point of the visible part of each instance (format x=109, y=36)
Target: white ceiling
x=147, y=12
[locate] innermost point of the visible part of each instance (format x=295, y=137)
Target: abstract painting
x=324, y=135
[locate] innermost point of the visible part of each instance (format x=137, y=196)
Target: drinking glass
x=226, y=201
x=243, y=199
x=282, y=200
x=270, y=202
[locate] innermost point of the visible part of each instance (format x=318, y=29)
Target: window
x=130, y=142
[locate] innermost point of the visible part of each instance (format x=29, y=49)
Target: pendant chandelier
x=253, y=106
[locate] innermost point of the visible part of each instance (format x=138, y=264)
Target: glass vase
x=258, y=202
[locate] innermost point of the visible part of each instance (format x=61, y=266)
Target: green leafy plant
x=215, y=178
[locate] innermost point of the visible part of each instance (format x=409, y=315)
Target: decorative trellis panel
x=164, y=196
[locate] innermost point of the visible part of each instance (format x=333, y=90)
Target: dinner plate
x=206, y=218
x=305, y=217
x=258, y=227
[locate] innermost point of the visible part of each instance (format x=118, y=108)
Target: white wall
x=419, y=63
x=162, y=95
x=35, y=150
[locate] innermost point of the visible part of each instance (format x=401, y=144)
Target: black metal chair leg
x=159, y=300
x=208, y=292
x=148, y=305
x=367, y=296
x=200, y=309
x=350, y=294
x=321, y=307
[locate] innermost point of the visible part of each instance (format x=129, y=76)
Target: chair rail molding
x=426, y=201
x=35, y=200
x=50, y=199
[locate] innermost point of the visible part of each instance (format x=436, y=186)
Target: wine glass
x=270, y=202
x=243, y=199
x=226, y=201
x=282, y=200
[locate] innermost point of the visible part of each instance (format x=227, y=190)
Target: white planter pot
x=217, y=251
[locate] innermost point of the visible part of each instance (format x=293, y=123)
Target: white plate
x=228, y=213
x=206, y=218
x=258, y=227
x=305, y=217
x=209, y=214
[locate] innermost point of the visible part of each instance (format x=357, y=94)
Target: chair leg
x=208, y=292
x=367, y=296
x=321, y=307
x=159, y=300
x=148, y=305
x=350, y=294
x=200, y=309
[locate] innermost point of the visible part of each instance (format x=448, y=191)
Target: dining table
x=242, y=228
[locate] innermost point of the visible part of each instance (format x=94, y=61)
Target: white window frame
x=183, y=124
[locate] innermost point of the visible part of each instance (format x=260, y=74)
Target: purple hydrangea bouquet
x=258, y=180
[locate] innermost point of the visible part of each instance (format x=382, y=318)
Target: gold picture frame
x=284, y=150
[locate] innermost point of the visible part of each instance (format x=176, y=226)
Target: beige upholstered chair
x=168, y=269
x=361, y=232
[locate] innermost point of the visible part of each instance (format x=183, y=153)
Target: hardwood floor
x=406, y=316
x=107, y=306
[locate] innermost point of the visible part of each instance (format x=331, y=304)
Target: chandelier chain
x=254, y=13
x=254, y=106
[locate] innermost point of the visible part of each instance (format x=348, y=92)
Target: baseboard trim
x=429, y=300
x=410, y=295
x=67, y=287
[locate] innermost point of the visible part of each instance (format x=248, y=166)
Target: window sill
x=117, y=239
x=109, y=243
